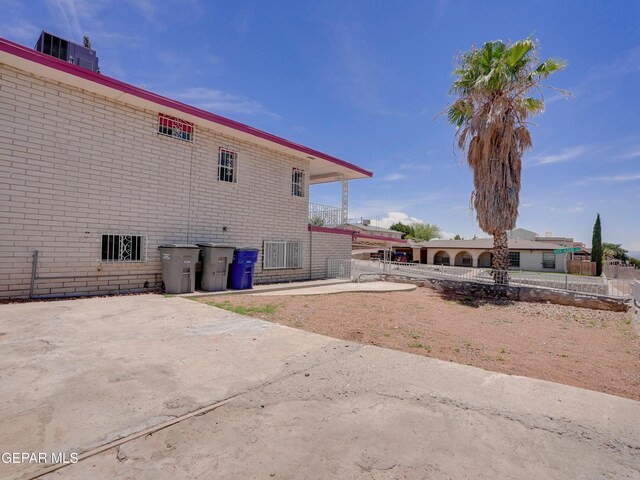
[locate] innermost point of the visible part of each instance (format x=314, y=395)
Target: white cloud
x=564, y=155
x=218, y=101
x=71, y=12
x=395, y=217
x=577, y=208
x=613, y=178
x=633, y=153
x=393, y=176
x=20, y=31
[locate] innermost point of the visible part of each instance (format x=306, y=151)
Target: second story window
x=174, y=127
x=297, y=182
x=227, y=166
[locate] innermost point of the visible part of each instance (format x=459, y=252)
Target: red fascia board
x=336, y=231
x=353, y=233
x=57, y=64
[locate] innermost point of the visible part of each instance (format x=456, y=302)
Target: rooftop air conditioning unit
x=68, y=51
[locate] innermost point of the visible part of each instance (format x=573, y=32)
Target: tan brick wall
x=328, y=245
x=74, y=165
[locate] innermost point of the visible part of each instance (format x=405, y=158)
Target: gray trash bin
x=179, y=267
x=215, y=266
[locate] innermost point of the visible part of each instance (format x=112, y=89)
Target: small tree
x=458, y=237
x=615, y=251
x=317, y=221
x=407, y=230
x=423, y=232
x=596, y=246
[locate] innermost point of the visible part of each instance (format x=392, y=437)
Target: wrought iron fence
x=338, y=268
x=324, y=215
x=594, y=285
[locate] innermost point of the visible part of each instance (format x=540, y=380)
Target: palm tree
x=494, y=86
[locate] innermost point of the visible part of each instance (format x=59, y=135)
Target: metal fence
x=594, y=285
x=338, y=268
x=324, y=215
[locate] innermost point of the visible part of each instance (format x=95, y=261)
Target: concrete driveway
x=147, y=387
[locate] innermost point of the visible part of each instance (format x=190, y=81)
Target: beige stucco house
x=96, y=173
x=523, y=254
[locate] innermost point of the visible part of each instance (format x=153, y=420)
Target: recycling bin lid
x=247, y=249
x=216, y=245
x=178, y=245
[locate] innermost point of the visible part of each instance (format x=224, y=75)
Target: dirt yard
x=585, y=348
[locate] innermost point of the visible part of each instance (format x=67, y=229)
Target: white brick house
x=90, y=165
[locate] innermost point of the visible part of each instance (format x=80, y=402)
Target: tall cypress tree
x=596, y=246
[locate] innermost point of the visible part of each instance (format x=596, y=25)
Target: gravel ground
x=592, y=349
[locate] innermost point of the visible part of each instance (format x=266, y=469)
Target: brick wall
x=74, y=165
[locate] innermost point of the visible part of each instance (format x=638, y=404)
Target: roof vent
x=57, y=47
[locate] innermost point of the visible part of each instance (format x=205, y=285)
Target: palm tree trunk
x=500, y=258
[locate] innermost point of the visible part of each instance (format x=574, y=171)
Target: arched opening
x=441, y=258
x=464, y=259
x=484, y=260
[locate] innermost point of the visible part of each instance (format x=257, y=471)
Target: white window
x=227, y=166
x=123, y=248
x=174, y=127
x=297, y=182
x=278, y=255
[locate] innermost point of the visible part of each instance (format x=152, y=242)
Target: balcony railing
x=324, y=215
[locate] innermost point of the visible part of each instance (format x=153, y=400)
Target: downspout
x=34, y=273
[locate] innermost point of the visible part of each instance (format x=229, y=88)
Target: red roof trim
x=57, y=64
x=337, y=231
x=353, y=233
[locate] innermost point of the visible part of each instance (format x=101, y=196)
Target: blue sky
x=364, y=80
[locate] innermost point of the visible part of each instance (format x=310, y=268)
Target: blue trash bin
x=242, y=268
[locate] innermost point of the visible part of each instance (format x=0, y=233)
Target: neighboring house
x=523, y=254
x=370, y=238
x=96, y=173
x=364, y=230
x=522, y=233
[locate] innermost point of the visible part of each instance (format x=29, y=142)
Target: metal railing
x=619, y=288
x=324, y=215
x=636, y=292
x=338, y=268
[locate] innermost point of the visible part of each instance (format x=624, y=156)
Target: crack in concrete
x=83, y=454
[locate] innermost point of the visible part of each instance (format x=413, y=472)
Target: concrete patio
x=148, y=387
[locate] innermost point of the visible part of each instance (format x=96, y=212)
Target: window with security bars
x=279, y=255
x=548, y=260
x=514, y=259
x=297, y=182
x=123, y=248
x=227, y=166
x=174, y=127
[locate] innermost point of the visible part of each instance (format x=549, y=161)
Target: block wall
x=74, y=166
